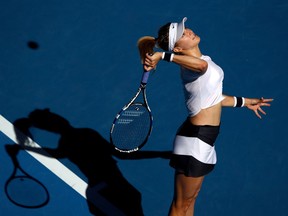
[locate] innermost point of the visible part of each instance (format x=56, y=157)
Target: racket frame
x=142, y=88
x=23, y=174
x=26, y=176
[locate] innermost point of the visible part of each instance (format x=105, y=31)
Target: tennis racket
x=21, y=188
x=132, y=126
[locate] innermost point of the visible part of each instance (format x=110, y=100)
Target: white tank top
x=202, y=90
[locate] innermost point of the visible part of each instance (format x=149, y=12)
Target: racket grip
x=145, y=77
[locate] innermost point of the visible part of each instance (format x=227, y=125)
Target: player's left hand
x=256, y=106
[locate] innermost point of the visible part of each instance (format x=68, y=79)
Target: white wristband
x=171, y=57
x=243, y=102
x=235, y=101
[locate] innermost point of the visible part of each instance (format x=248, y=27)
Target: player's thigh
x=187, y=187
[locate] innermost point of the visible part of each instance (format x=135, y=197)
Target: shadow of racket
x=21, y=188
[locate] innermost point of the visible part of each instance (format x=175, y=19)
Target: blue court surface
x=78, y=59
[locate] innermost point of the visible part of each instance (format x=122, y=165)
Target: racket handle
x=145, y=77
x=146, y=74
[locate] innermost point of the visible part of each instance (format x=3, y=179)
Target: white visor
x=176, y=31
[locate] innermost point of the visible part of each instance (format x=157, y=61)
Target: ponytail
x=145, y=45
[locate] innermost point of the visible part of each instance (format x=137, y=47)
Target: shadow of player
x=108, y=192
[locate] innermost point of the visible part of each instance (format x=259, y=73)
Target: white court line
x=52, y=164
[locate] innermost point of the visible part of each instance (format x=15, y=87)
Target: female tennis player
x=194, y=153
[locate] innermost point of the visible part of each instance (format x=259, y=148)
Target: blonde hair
x=145, y=45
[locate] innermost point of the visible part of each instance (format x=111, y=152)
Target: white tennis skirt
x=194, y=151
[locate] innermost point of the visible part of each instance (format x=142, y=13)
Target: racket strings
x=27, y=192
x=131, y=128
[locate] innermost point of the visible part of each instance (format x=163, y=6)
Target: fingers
x=149, y=60
x=260, y=110
x=265, y=102
x=148, y=68
x=148, y=63
x=257, y=114
x=256, y=107
x=262, y=100
x=152, y=60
